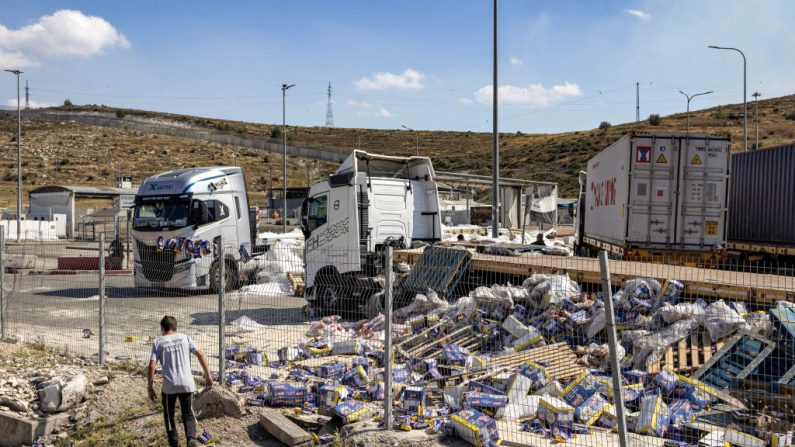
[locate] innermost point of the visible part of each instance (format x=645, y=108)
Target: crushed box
x=475, y=427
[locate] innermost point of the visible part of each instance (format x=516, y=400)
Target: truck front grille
x=156, y=265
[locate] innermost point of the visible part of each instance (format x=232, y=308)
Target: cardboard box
x=490, y=404
x=414, y=398
x=698, y=393
x=589, y=411
x=347, y=347
x=665, y=380
x=356, y=377
x=580, y=389
x=285, y=394
x=331, y=394
x=529, y=377
x=653, y=417
x=608, y=418
x=475, y=427
x=740, y=439
x=513, y=326
x=331, y=370
x=552, y=410
x=350, y=411
x=531, y=338
x=680, y=412
x=456, y=355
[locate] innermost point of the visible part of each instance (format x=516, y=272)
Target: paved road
x=58, y=308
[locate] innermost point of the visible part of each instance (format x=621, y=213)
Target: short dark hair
x=168, y=323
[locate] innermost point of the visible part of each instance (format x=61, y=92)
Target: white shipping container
x=658, y=191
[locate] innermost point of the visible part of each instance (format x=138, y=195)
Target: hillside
x=79, y=154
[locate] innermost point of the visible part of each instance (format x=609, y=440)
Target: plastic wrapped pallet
x=476, y=428
x=720, y=320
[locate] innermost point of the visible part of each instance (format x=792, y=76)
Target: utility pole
x=19, y=159
x=416, y=135
x=495, y=193
x=285, y=87
x=689, y=98
x=27, y=95
x=756, y=96
x=745, y=88
x=637, y=103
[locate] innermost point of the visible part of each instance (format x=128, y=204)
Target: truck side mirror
x=199, y=214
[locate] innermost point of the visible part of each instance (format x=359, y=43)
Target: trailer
x=656, y=196
x=761, y=211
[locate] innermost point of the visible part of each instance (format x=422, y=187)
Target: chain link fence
x=449, y=341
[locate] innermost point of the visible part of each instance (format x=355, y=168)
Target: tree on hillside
x=67, y=103
x=604, y=125
x=654, y=119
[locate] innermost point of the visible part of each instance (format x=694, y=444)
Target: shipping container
x=762, y=201
x=659, y=191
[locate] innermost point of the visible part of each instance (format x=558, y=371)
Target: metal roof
x=86, y=191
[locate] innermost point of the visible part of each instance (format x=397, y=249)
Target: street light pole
x=284, y=156
x=690, y=97
x=416, y=134
x=19, y=159
x=495, y=193
x=756, y=96
x=745, y=88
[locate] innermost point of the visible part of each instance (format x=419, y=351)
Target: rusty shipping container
x=762, y=196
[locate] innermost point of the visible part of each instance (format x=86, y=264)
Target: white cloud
x=465, y=101
x=64, y=33
x=33, y=104
x=409, y=80
x=641, y=15
x=383, y=113
x=364, y=108
x=534, y=94
x=515, y=61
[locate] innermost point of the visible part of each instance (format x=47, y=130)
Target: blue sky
x=564, y=65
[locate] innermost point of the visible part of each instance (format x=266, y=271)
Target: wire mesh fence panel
x=489, y=342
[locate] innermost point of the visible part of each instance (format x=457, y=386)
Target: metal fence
x=446, y=340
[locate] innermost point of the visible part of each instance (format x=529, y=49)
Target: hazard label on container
x=662, y=159
x=696, y=160
x=643, y=154
x=711, y=228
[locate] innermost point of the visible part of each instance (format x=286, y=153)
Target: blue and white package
x=475, y=427
x=356, y=377
x=665, y=380
x=636, y=376
x=414, y=398
x=529, y=377
x=698, y=393
x=680, y=412
x=653, y=417
x=482, y=388
x=580, y=389
x=331, y=370
x=456, y=355
x=491, y=404
x=671, y=291
x=285, y=394
x=589, y=411
x=554, y=411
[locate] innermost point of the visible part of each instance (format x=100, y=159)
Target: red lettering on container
x=604, y=192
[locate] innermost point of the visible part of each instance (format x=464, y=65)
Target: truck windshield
x=167, y=215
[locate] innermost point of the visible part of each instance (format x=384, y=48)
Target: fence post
x=388, y=340
x=3, y=316
x=607, y=294
x=102, y=299
x=221, y=313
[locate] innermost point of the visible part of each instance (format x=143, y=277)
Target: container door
x=704, y=174
x=651, y=219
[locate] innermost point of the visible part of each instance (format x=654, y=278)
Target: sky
x=563, y=64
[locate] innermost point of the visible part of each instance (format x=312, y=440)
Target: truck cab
x=369, y=203
x=179, y=220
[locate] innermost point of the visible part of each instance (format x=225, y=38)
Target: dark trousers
x=188, y=418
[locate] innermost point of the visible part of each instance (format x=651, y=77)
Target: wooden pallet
x=688, y=354
x=562, y=360
x=296, y=282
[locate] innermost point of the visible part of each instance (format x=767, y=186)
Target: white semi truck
x=178, y=220
x=369, y=203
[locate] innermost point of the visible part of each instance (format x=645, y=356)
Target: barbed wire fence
x=447, y=340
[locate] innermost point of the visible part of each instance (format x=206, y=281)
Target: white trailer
x=370, y=202
x=178, y=220
x=656, y=195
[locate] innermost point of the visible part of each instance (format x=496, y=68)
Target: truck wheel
x=326, y=299
x=230, y=272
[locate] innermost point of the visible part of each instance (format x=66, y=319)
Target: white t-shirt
x=173, y=352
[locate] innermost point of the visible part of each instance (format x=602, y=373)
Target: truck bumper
x=185, y=280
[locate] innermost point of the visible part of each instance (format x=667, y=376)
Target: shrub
x=120, y=114
x=67, y=103
x=604, y=125
x=654, y=119
x=790, y=116
x=276, y=132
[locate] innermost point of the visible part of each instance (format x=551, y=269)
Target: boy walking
x=173, y=351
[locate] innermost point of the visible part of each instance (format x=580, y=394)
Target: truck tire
x=230, y=272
